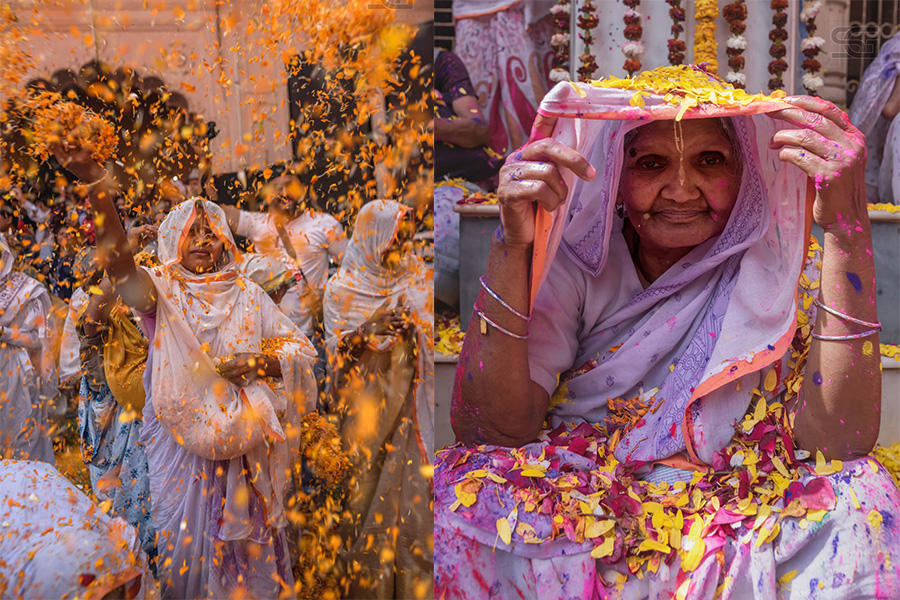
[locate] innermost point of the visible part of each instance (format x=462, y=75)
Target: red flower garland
x=778, y=50
x=587, y=21
x=633, y=33
x=561, y=17
x=811, y=47
x=677, y=47
x=735, y=13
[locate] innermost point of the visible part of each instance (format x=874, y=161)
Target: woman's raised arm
x=838, y=410
x=132, y=284
x=494, y=399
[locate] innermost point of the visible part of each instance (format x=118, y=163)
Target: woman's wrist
x=90, y=173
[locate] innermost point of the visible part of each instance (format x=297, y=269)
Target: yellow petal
x=760, y=413
x=780, y=466
x=503, y=530
x=771, y=380
x=604, y=549
x=653, y=545
x=532, y=473
x=598, y=528
x=786, y=578
x=816, y=515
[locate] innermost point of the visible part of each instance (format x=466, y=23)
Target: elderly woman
x=378, y=319
x=228, y=378
x=605, y=384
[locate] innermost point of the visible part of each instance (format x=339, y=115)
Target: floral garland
x=735, y=13
x=811, y=47
x=587, y=21
x=561, y=12
x=778, y=50
x=705, y=51
x=633, y=49
x=677, y=47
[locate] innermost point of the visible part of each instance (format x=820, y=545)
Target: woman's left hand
x=243, y=369
x=828, y=148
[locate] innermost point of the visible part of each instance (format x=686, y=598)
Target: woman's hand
x=247, y=367
x=828, y=148
x=139, y=237
x=387, y=321
x=532, y=175
x=78, y=161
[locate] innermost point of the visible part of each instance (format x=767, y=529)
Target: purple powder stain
x=817, y=378
x=854, y=281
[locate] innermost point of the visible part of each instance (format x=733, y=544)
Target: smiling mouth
x=680, y=215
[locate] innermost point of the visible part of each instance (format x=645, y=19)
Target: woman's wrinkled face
x=201, y=249
x=675, y=199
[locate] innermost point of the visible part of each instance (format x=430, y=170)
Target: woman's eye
x=649, y=163
x=712, y=159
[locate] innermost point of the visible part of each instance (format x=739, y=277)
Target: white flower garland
x=633, y=50
x=810, y=11
x=736, y=77
x=811, y=46
x=737, y=42
x=560, y=39
x=812, y=82
x=812, y=42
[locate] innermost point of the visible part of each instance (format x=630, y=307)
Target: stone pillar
x=833, y=24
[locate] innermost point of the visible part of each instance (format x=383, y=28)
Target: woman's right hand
x=532, y=175
x=78, y=161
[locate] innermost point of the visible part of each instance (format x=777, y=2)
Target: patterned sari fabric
x=507, y=53
x=116, y=460
x=667, y=467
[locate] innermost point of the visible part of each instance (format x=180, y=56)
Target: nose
x=681, y=186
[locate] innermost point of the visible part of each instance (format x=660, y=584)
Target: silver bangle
x=486, y=321
x=839, y=338
x=501, y=301
x=876, y=326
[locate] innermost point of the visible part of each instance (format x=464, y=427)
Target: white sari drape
x=28, y=374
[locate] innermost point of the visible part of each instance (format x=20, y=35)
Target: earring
x=620, y=210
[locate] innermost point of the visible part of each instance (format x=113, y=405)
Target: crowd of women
x=196, y=363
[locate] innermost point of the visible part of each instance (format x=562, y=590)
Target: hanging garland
x=735, y=13
x=705, y=51
x=587, y=21
x=633, y=49
x=561, y=12
x=811, y=46
x=677, y=47
x=778, y=50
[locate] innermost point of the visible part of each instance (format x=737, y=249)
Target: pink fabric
x=509, y=61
